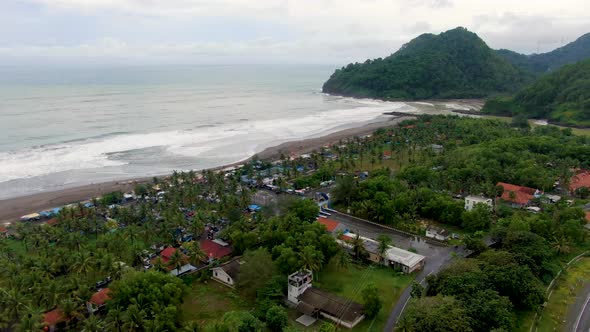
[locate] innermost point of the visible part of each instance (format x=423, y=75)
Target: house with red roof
x=386, y=155
x=518, y=196
x=52, y=319
x=329, y=223
x=166, y=256
x=581, y=179
x=52, y=222
x=98, y=300
x=214, y=250
x=3, y=232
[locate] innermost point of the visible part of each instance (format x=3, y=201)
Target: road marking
x=581, y=313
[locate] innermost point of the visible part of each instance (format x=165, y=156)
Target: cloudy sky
x=267, y=31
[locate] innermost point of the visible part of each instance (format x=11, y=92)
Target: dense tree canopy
x=562, y=97
x=454, y=64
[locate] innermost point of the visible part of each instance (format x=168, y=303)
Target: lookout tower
x=298, y=283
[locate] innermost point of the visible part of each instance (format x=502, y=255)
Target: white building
x=406, y=261
x=228, y=273
x=470, y=202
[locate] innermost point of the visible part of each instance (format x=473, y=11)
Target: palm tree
x=13, y=301
x=93, y=324
x=384, y=244
x=31, y=321
x=561, y=244
x=133, y=319
x=195, y=254
x=115, y=319
x=176, y=260
x=311, y=258
x=358, y=247
x=191, y=326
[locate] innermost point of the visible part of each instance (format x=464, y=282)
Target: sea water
x=63, y=127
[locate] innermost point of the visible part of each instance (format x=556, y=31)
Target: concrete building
x=315, y=302
x=404, y=260
x=471, y=201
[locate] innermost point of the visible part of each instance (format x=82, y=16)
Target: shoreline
x=12, y=209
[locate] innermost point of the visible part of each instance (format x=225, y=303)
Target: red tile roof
x=214, y=250
x=167, y=253
x=329, y=223
x=582, y=179
x=53, y=317
x=52, y=222
x=522, y=195
x=386, y=153
x=588, y=216
x=3, y=230
x=99, y=298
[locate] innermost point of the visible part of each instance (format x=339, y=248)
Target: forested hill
x=545, y=62
x=562, y=96
x=453, y=64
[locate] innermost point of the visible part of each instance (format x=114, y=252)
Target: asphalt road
x=578, y=318
x=436, y=256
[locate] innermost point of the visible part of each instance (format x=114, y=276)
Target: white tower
x=298, y=283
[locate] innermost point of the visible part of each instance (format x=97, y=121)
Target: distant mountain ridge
x=573, y=52
x=454, y=64
x=562, y=96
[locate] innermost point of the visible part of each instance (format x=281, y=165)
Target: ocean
x=63, y=127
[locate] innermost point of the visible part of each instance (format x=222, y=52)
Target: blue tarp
x=46, y=214
x=88, y=205
x=254, y=207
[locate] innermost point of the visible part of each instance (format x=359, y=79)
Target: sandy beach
x=12, y=209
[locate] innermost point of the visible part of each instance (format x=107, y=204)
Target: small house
x=471, y=201
x=166, y=255
x=518, y=196
x=3, y=232
x=53, y=320
x=581, y=179
x=98, y=300
x=228, y=273
x=213, y=250
x=437, y=233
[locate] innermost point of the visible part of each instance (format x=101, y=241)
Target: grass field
x=568, y=284
x=208, y=301
x=351, y=281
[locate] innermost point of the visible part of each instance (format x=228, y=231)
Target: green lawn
x=208, y=301
x=350, y=282
x=567, y=286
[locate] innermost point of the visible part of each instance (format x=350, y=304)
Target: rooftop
x=214, y=250
x=393, y=254
x=581, y=179
x=329, y=223
x=521, y=195
x=99, y=298
x=331, y=304
x=53, y=317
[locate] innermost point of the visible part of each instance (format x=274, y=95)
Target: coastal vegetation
x=543, y=63
x=453, y=64
x=562, y=97
x=409, y=177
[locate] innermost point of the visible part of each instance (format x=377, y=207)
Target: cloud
x=310, y=31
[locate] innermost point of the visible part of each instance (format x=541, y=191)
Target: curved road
x=579, y=312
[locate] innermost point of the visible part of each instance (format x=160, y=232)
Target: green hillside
x=546, y=62
x=453, y=64
x=562, y=96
